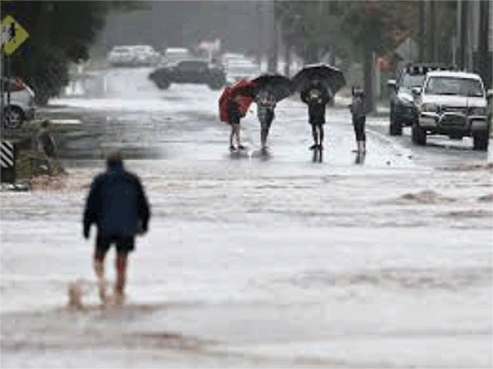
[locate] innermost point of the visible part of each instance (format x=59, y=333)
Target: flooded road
x=271, y=261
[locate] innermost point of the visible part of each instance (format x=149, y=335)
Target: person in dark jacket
x=266, y=104
x=118, y=206
x=316, y=97
x=358, y=114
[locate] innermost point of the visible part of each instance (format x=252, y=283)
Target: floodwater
x=256, y=261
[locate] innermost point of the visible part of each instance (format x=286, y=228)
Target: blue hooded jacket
x=117, y=204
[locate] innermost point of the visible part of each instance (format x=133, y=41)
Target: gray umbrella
x=277, y=85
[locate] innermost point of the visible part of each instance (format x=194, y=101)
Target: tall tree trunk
x=311, y=53
x=370, y=105
x=287, y=58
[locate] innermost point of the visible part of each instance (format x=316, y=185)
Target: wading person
x=118, y=206
x=235, y=116
x=316, y=97
x=47, y=149
x=266, y=105
x=358, y=114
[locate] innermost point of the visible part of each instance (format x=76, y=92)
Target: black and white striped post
x=7, y=161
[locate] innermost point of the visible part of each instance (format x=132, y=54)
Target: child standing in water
x=358, y=114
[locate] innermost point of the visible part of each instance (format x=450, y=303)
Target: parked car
x=453, y=104
x=133, y=55
x=174, y=55
x=22, y=106
x=122, y=56
x=146, y=55
x=237, y=70
x=190, y=71
x=403, y=110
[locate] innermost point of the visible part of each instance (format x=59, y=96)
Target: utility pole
x=421, y=31
x=463, y=33
x=431, y=32
x=269, y=31
x=483, y=30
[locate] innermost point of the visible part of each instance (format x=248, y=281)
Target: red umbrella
x=243, y=91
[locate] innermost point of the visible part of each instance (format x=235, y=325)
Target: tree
x=310, y=28
x=60, y=32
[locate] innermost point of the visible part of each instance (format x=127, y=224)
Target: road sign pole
x=9, y=72
x=2, y=104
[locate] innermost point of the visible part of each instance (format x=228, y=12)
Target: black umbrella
x=279, y=86
x=331, y=77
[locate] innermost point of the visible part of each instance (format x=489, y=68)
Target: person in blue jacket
x=118, y=206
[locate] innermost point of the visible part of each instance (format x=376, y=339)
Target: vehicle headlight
x=405, y=98
x=478, y=110
x=429, y=108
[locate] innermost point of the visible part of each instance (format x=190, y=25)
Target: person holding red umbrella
x=233, y=105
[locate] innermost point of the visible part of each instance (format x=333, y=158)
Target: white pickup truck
x=453, y=104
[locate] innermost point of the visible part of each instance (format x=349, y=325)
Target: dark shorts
x=123, y=243
x=359, y=128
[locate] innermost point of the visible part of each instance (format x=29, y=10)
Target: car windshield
x=454, y=86
x=410, y=81
x=192, y=64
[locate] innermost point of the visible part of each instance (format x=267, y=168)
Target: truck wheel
x=418, y=135
x=13, y=117
x=395, y=128
x=480, y=141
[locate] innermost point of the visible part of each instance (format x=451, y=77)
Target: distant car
x=122, y=56
x=190, y=71
x=235, y=71
x=452, y=104
x=133, y=56
x=174, y=55
x=22, y=106
x=145, y=55
x=403, y=110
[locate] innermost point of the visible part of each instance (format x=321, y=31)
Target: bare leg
x=99, y=270
x=231, y=136
x=321, y=136
x=315, y=137
x=121, y=268
x=238, y=137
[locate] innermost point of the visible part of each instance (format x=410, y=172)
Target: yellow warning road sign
x=12, y=35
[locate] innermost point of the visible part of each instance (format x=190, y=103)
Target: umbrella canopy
x=277, y=85
x=243, y=91
x=331, y=77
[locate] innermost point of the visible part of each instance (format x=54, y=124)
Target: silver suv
x=452, y=104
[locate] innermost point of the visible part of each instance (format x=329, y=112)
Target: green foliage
x=60, y=32
x=311, y=28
